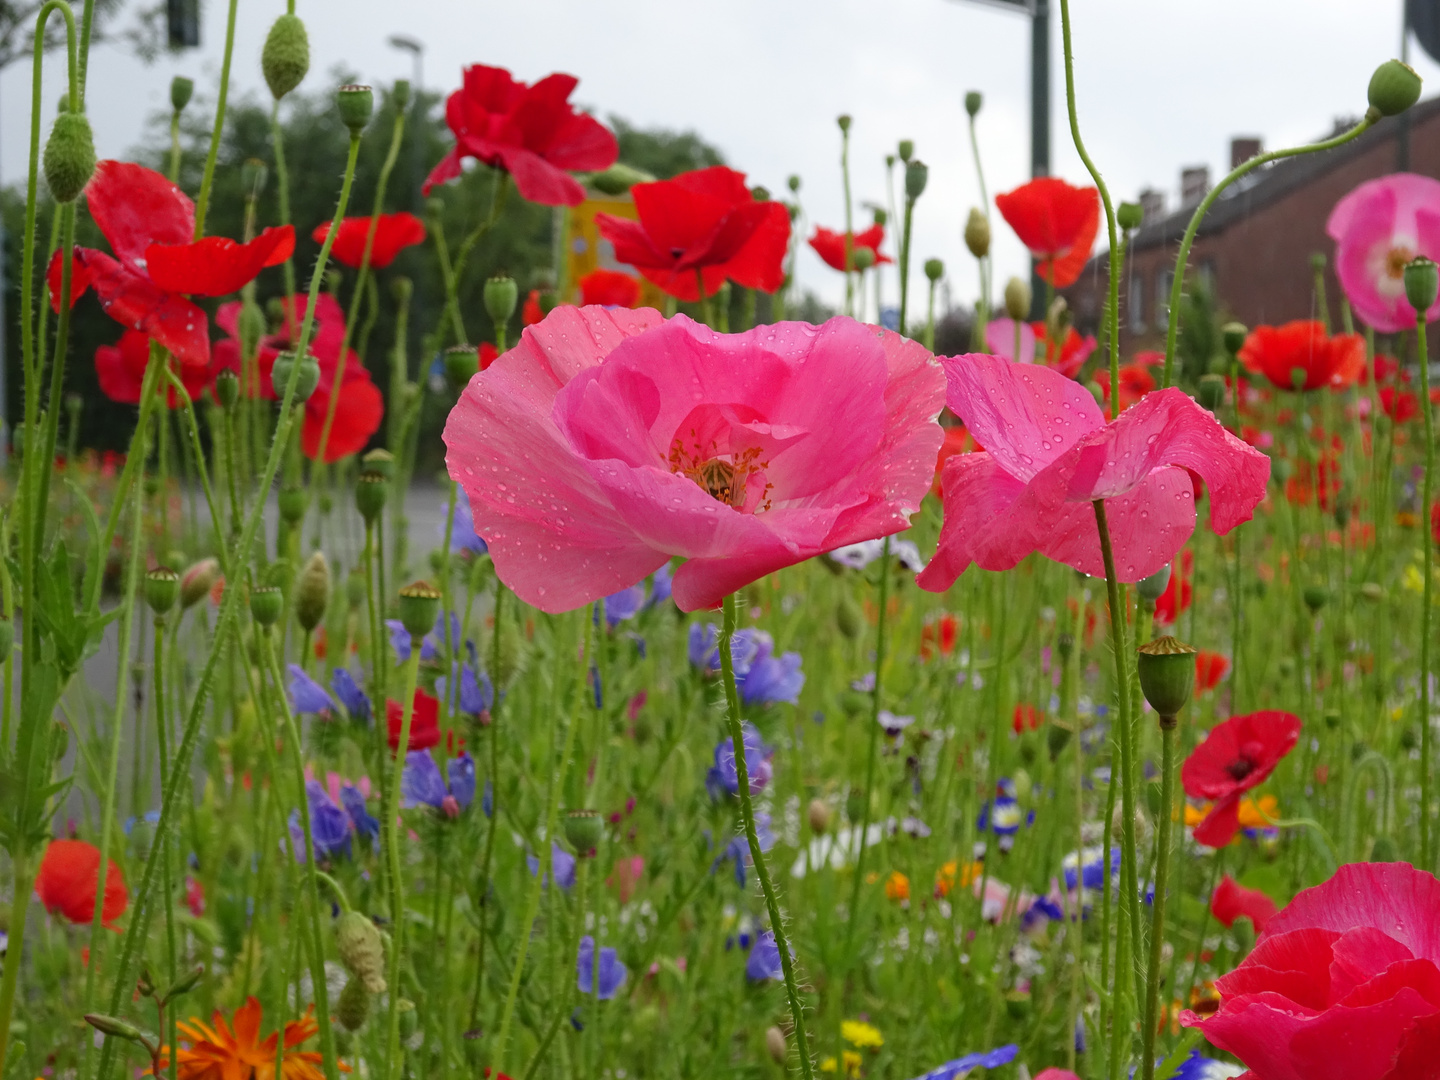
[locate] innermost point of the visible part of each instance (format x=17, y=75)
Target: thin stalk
x=486, y=859
x=1427, y=498
x=881, y=640
x=162, y=738
x=904, y=264
x=1162, y=880
x=391, y=824
x=202, y=202
x=849, y=220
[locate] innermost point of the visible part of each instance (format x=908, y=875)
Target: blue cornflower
x=462, y=529
x=562, y=864
x=1008, y=816
x=764, y=959
x=858, y=556
x=1196, y=1067
x=1087, y=867
x=739, y=848
x=723, y=779
x=612, y=971
x=771, y=678
x=306, y=695
x=354, y=803
x=477, y=692
x=705, y=648
x=430, y=644
x=150, y=817
x=421, y=784
x=661, y=584
x=625, y=604
x=992, y=1059
x=355, y=700
x=329, y=825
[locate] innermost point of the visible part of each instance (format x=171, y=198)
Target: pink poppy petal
x=1148, y=526
x=1358, y=954
x=1258, y=1029
x=1393, y=897
x=978, y=494
x=1356, y=1043
x=1000, y=340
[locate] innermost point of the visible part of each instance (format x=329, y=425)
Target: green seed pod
x=266, y=604
x=1315, y=597
x=819, y=813
x=1154, y=586
x=917, y=174
x=1234, y=335
x=934, y=269
x=1129, y=215
x=312, y=592
x=110, y=1025
x=162, y=589
x=280, y=574
x=419, y=608
x=1394, y=88
x=361, y=950
x=69, y=157
x=357, y=104
x=372, y=489
x=227, y=388
x=181, y=91
x=7, y=644
x=1332, y=719
x=584, y=830
x=1409, y=740
x=409, y=1018
x=1211, y=391
x=293, y=503
x=1065, y=645
x=353, y=1008
x=1017, y=299
x=844, y=121
x=400, y=94
x=862, y=258
x=307, y=381
x=760, y=193
x=1384, y=850
x=906, y=150
x=285, y=59
x=1056, y=739
x=618, y=179
x=793, y=183
x=1422, y=282
x=461, y=364
x=1167, y=676
x=775, y=1044
x=977, y=233
x=198, y=580
x=501, y=296
x=379, y=460
x=880, y=216
x=973, y=101
x=849, y=620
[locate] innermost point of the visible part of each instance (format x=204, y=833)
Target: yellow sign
x=588, y=250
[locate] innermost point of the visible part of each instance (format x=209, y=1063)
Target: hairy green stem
x=392, y=826
x=202, y=203
x=1427, y=862
x=1164, y=826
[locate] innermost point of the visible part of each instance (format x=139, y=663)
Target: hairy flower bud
x=110, y=1025
x=69, y=157
x=227, y=388
x=162, y=589
x=285, y=59
x=1422, y=282
x=357, y=105
x=977, y=233
x=198, y=580
x=917, y=173
x=361, y=950
x=306, y=382
x=181, y=91
x=372, y=491
x=312, y=592
x=618, y=179
x=293, y=503
x=934, y=269
x=1167, y=676
x=266, y=604
x=353, y=1008
x=1129, y=216
x=1017, y=299
x=1394, y=87
x=973, y=101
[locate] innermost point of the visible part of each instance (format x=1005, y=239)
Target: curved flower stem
x=747, y=815
x=487, y=857
x=1177, y=287
x=391, y=823
x=202, y=202
x=982, y=315
x=462, y=254
x=1427, y=498
x=1162, y=880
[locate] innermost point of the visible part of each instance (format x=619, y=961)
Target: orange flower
x=945, y=877
x=1210, y=668
x=897, y=886
x=940, y=634
x=219, y=1051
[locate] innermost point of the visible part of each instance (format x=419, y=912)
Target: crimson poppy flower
x=1301, y=356
x=424, y=722
x=121, y=371
x=1343, y=984
x=609, y=288
x=488, y=354
x=1026, y=718
x=394, y=233
x=1233, y=901
x=1236, y=756
x=532, y=132
x=940, y=636
x=1135, y=382
x=1210, y=669
x=66, y=883
x=830, y=245
x=703, y=222
x=1057, y=222
x=1176, y=597
x=1400, y=405
x=531, y=312
x=150, y=224
x=1323, y=473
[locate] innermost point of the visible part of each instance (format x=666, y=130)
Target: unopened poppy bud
x=69, y=156
x=862, y=258
x=162, y=589
x=1211, y=392
x=583, y=830
x=401, y=289
x=353, y=1008
x=1017, y=299
x=819, y=813
x=419, y=608
x=906, y=150
x=775, y=1044
x=1394, y=87
x=501, y=296
x=293, y=503
x=379, y=460
x=1056, y=739
x=285, y=59
x=357, y=103
x=934, y=269
x=227, y=388
x=306, y=381
x=1167, y=676
x=973, y=101
x=400, y=94
x=1422, y=282
x=198, y=580
x=844, y=121
x=916, y=175
x=461, y=362
x=372, y=490
x=618, y=179
x=1384, y=850
x=1065, y=644
x=1317, y=261
x=110, y=1025
x=266, y=604
x=181, y=91
x=361, y=950
x=185, y=983
x=1315, y=596
x=312, y=592
x=793, y=183
x=977, y=233
x=760, y=193
x=1129, y=215
x=1153, y=587
x=1234, y=335
x=879, y=216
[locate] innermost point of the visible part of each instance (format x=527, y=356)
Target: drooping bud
x=266, y=604
x=1211, y=392
x=1394, y=87
x=977, y=233
x=227, y=388
x=934, y=269
x=819, y=814
x=110, y=1025
x=917, y=173
x=307, y=381
x=775, y=1044
x=973, y=101
x=618, y=179
x=501, y=296
x=906, y=150
x=312, y=592
x=372, y=491
x=1422, y=282
x=162, y=589
x=357, y=104
x=583, y=830
x=419, y=608
x=361, y=950
x=1167, y=676
x=181, y=91
x=353, y=1008
x=461, y=364
x=198, y=580
x=69, y=156
x=862, y=258
x=1017, y=299
x=285, y=59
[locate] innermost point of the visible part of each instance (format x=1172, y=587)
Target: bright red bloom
x=1026, y=718
x=609, y=288
x=150, y=224
x=531, y=312
x=1233, y=901
x=1343, y=985
x=1300, y=488
x=532, y=132
x=957, y=441
x=1399, y=405
x=488, y=354
x=1210, y=669
x=121, y=371
x=830, y=245
x=1071, y=354
x=940, y=636
x=1135, y=382
x=424, y=722
x=704, y=222
x=1236, y=756
x=1057, y=222
x=394, y=233
x=1300, y=355
x=1176, y=597
x=69, y=873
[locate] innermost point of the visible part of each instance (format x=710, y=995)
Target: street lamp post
x=416, y=49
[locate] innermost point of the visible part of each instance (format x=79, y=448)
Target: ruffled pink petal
x=1395, y=898
x=1358, y=954
x=1148, y=526
x=1345, y=1043
x=1296, y=965
x=1000, y=340
x=1258, y=1028
x=978, y=495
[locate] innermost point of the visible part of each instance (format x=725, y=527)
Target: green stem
x=282, y=196
x=202, y=203
x=498, y=192
x=881, y=641
x=391, y=824
x=1427, y=499
x=849, y=221
x=1162, y=882
x=904, y=264
x=162, y=739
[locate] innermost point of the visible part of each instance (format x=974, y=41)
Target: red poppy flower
x=1135, y=382
x=1300, y=355
x=531, y=312
x=1057, y=222
x=957, y=441
x=704, y=222
x=1343, y=985
x=939, y=635
x=1071, y=354
x=150, y=224
x=394, y=233
x=121, y=371
x=424, y=722
x=1386, y=367
x=1300, y=488
x=488, y=354
x=1233, y=901
x=361, y=408
x=1176, y=597
x=1210, y=669
x=830, y=245
x=1026, y=718
x=609, y=288
x=1236, y=756
x=1400, y=405
x=532, y=132
x=66, y=883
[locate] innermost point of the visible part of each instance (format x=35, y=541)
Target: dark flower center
x=1240, y=768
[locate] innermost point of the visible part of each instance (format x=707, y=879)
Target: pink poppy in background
x=1343, y=985
x=1377, y=229
x=1237, y=755
x=1053, y=1073
x=1234, y=901
x=1049, y=454
x=607, y=441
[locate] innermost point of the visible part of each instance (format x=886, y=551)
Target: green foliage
x=663, y=153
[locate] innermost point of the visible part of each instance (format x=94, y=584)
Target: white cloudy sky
x=1161, y=83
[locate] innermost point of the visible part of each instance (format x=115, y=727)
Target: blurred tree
x=145, y=36
x=662, y=153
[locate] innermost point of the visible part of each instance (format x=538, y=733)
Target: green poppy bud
x=401, y=289
x=357, y=104
x=819, y=813
x=1065, y=645
x=227, y=388
x=353, y=1008
x=501, y=296
x=1315, y=597
x=400, y=94
x=372, y=489
x=618, y=179
x=1211, y=391
x=1234, y=335
x=934, y=269
x=906, y=150
x=1056, y=739
x=1384, y=850
x=181, y=90
x=844, y=121
x=1017, y=299
x=1394, y=87
x=306, y=382
x=198, y=580
x=69, y=157
x=379, y=460
x=285, y=59
x=862, y=258
x=760, y=193
x=977, y=233
x=793, y=183
x=584, y=830
x=361, y=950
x=1372, y=591
x=312, y=592
x=409, y=1018
x=1167, y=676
x=162, y=589
x=461, y=363
x=775, y=1044
x=266, y=604
x=879, y=216
x=293, y=503
x=973, y=100
x=1422, y=282
x=419, y=608
x=916, y=175
x=110, y=1025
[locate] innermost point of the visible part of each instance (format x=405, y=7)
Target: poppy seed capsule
x=618, y=179
x=162, y=589
x=844, y=121
x=879, y=216
x=69, y=157
x=227, y=388
x=501, y=296
x=285, y=59
x=372, y=490
x=793, y=183
x=1315, y=597
x=1167, y=676
x=361, y=950
x=357, y=104
x=819, y=813
x=461, y=363
x=583, y=830
x=760, y=193
x=1129, y=215
x=917, y=173
x=1422, y=282
x=1234, y=335
x=1394, y=87
x=419, y=608
x=977, y=233
x=906, y=150
x=312, y=592
x=973, y=101
x=775, y=1044
x=934, y=269
x=862, y=258
x=266, y=604
x=1211, y=391
x=306, y=381
x=198, y=580
x=353, y=1009
x=379, y=460
x=400, y=94
x=1017, y=298
x=181, y=91
x=293, y=503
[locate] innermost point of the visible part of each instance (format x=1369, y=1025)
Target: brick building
x=1256, y=242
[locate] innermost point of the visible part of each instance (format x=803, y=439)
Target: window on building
x=1135, y=303
x=1164, y=280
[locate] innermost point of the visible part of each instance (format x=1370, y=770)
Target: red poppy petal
x=760, y=264
x=1068, y=267
x=393, y=233
x=357, y=417
x=542, y=110
x=538, y=181
x=631, y=242
x=115, y=367
x=1048, y=215
x=136, y=207
x=217, y=265
x=731, y=233
x=679, y=213
x=1221, y=824
x=610, y=288
x=79, y=281
x=138, y=304
x=447, y=169
x=583, y=144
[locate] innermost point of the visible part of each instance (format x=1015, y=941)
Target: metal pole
x=1039, y=124
x=1402, y=136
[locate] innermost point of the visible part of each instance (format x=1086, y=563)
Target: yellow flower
x=945, y=876
x=1259, y=814
x=1413, y=580
x=852, y=1064
x=897, y=886
x=860, y=1034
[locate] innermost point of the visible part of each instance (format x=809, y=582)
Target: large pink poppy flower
x=1049, y=454
x=1377, y=229
x=608, y=441
x=1343, y=985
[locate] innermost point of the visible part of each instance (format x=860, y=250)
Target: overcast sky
x=1161, y=84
